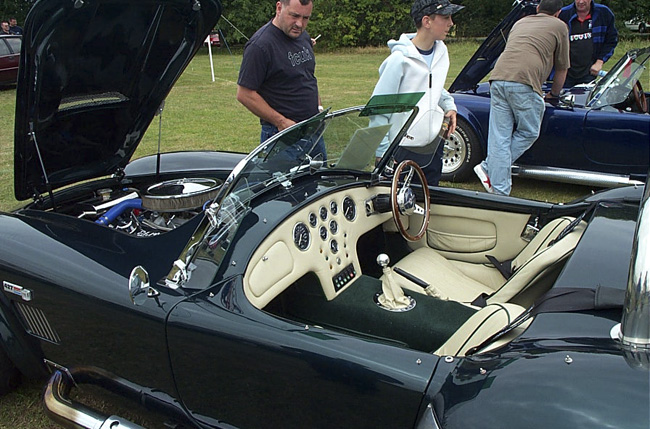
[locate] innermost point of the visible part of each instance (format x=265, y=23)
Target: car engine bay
x=144, y=210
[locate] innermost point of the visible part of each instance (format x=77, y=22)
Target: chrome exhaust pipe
x=575, y=177
x=70, y=413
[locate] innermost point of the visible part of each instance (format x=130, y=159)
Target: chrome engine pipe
x=635, y=324
x=74, y=414
x=575, y=177
x=70, y=413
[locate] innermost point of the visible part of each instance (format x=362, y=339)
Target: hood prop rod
x=159, y=113
x=32, y=135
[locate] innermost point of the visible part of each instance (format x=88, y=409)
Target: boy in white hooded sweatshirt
x=419, y=62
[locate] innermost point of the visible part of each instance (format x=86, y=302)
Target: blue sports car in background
x=596, y=134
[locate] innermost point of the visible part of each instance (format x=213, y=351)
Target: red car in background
x=214, y=39
x=9, y=58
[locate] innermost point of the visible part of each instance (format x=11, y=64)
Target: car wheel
x=10, y=377
x=462, y=152
x=642, y=28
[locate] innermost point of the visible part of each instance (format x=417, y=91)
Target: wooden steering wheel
x=402, y=198
x=639, y=97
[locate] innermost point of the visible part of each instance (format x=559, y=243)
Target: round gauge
x=334, y=246
x=323, y=233
x=323, y=213
x=334, y=226
x=313, y=220
x=301, y=236
x=349, y=209
x=334, y=208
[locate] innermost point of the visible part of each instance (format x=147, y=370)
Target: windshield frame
x=608, y=84
x=224, y=215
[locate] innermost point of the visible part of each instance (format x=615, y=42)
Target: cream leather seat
x=464, y=282
x=484, y=324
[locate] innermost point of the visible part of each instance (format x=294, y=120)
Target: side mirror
x=139, y=286
x=568, y=100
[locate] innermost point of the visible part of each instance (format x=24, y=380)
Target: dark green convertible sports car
x=303, y=284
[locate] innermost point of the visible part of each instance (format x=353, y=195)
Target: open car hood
x=93, y=74
x=483, y=60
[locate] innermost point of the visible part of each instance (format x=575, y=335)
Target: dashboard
x=320, y=238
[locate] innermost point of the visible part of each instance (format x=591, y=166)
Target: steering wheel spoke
x=419, y=210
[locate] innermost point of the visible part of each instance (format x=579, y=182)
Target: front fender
x=23, y=350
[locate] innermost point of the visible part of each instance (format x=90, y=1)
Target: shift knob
x=383, y=260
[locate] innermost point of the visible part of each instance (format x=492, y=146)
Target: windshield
x=329, y=143
x=616, y=86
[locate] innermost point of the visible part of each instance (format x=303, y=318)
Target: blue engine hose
x=118, y=209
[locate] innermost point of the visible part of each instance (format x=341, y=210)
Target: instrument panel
x=320, y=238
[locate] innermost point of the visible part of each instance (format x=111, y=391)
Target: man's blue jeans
x=516, y=113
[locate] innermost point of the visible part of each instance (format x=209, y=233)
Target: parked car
x=637, y=24
x=9, y=59
x=596, y=134
x=300, y=285
x=214, y=39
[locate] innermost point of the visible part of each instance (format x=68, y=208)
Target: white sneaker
x=483, y=177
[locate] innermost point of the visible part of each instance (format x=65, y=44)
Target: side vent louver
x=37, y=323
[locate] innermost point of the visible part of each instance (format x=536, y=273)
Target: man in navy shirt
x=592, y=37
x=276, y=80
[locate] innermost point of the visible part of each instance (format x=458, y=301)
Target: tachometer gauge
x=349, y=209
x=301, y=236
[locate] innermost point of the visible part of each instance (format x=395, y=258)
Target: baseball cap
x=421, y=8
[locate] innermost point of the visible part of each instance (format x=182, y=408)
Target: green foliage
x=479, y=16
x=346, y=23
x=15, y=9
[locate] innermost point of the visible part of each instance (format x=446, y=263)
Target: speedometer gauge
x=349, y=209
x=301, y=236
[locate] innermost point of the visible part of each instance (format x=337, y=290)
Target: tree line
x=353, y=23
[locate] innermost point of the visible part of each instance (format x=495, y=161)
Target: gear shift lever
x=392, y=296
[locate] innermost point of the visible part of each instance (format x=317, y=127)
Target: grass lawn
x=202, y=114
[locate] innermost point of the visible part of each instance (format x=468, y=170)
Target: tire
x=462, y=152
x=642, y=28
x=10, y=377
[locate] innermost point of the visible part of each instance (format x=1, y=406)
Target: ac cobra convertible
x=300, y=285
x=596, y=134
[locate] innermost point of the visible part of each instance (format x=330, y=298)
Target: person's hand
x=596, y=67
x=550, y=96
x=452, y=123
x=284, y=124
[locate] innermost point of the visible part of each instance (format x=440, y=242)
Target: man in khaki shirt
x=535, y=45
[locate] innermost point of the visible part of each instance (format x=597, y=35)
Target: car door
x=239, y=365
x=617, y=141
x=560, y=143
x=9, y=59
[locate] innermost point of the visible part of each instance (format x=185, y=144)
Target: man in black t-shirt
x=276, y=80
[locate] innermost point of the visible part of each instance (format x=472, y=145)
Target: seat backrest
x=538, y=258
x=483, y=324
